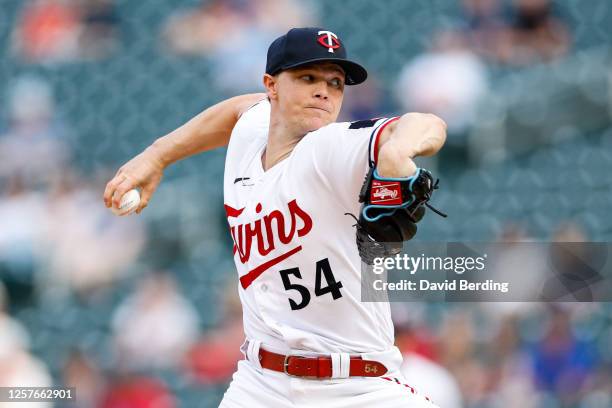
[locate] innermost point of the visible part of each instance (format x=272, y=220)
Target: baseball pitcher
x=307, y=201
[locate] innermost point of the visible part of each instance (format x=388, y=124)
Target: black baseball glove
x=391, y=208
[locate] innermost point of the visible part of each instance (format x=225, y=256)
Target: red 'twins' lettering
x=266, y=229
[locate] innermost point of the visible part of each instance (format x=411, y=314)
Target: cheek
x=288, y=97
x=338, y=102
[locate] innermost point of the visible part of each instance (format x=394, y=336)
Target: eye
x=307, y=78
x=336, y=83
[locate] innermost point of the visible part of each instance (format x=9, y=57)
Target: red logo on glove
x=386, y=193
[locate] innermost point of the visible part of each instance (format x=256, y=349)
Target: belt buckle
x=286, y=367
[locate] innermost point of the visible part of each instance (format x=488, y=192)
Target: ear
x=270, y=83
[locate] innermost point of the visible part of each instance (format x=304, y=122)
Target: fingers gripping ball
x=128, y=204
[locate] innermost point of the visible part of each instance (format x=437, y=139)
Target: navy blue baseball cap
x=301, y=46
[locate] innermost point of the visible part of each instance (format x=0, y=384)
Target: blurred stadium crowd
x=143, y=311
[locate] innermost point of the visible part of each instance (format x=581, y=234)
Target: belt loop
x=340, y=365
x=345, y=365
x=253, y=353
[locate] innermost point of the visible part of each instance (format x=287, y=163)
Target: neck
x=281, y=142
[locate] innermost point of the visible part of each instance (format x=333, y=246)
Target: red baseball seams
x=274, y=224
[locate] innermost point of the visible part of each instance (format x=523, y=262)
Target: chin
x=316, y=124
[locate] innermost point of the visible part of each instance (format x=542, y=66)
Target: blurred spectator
x=412, y=333
x=431, y=379
x=223, y=342
x=484, y=26
x=47, y=31
x=280, y=16
x=562, y=363
x=81, y=372
x=138, y=392
x=235, y=34
x=458, y=343
x=533, y=34
x=457, y=338
x=22, y=216
x=99, y=36
x=35, y=144
x=155, y=326
x=53, y=31
x=89, y=252
x=577, y=265
x=448, y=80
x=17, y=367
x=511, y=371
x=201, y=30
x=13, y=334
x=216, y=23
x=568, y=232
x=512, y=256
x=420, y=370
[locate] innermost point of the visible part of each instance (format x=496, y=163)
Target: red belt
x=317, y=367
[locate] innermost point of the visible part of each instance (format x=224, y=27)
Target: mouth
x=318, y=108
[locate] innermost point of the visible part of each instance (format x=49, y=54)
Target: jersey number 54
x=323, y=272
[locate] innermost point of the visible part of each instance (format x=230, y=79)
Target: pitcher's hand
x=144, y=171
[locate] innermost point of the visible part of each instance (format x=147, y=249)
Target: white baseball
x=129, y=202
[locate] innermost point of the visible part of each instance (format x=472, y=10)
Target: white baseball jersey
x=294, y=247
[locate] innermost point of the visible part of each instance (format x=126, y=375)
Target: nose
x=321, y=91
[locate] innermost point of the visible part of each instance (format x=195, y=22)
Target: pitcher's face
x=310, y=97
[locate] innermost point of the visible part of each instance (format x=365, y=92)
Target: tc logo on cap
x=329, y=40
